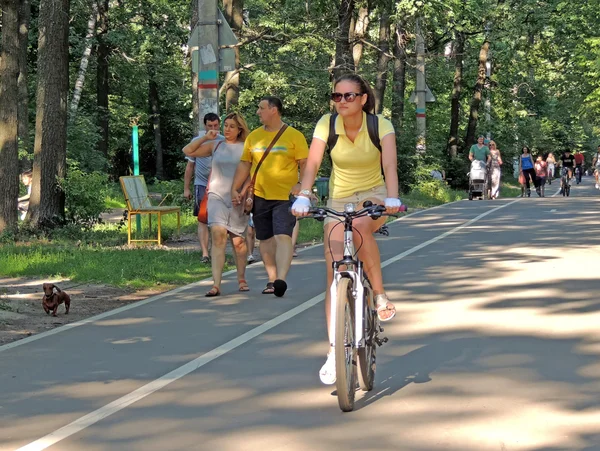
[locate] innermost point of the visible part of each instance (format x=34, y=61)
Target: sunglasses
x=348, y=96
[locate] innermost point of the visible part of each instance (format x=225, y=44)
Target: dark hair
x=274, y=102
x=369, y=106
x=525, y=147
x=210, y=117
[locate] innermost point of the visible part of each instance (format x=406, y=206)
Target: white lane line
x=146, y=390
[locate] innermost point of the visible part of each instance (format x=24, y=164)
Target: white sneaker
x=327, y=372
x=251, y=258
x=597, y=186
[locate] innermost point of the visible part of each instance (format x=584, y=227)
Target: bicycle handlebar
x=374, y=211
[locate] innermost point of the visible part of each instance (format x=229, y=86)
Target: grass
x=137, y=268
x=509, y=187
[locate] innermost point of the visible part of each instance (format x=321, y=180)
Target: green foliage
x=84, y=196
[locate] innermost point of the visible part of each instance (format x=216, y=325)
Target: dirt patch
x=22, y=315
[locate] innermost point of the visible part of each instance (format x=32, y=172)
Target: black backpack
x=372, y=128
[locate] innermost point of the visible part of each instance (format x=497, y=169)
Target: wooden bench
x=138, y=203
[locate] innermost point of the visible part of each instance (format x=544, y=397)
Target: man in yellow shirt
x=277, y=178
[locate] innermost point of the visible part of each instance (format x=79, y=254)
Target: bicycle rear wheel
x=345, y=352
x=366, y=355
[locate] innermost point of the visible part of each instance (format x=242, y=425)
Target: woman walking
x=541, y=171
x=526, y=168
x=551, y=163
x=223, y=218
x=495, y=170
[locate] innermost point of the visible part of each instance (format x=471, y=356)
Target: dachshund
x=52, y=300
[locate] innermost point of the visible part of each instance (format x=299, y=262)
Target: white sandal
x=383, y=303
x=327, y=372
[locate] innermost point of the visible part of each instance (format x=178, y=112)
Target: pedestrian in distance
x=541, y=172
x=551, y=163
x=284, y=150
x=526, y=168
x=495, y=170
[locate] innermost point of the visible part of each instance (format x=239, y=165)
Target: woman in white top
x=224, y=219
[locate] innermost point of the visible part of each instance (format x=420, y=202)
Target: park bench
x=138, y=203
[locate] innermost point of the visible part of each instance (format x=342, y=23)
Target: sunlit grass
x=135, y=268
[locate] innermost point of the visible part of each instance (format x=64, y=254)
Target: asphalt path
x=495, y=347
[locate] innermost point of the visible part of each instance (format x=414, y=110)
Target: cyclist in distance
x=356, y=176
x=567, y=161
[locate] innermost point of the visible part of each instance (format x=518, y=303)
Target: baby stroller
x=478, y=180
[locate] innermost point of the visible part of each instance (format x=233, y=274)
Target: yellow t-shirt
x=356, y=165
x=279, y=172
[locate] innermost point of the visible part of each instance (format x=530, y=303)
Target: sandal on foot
x=280, y=287
x=384, y=305
x=270, y=289
x=205, y=260
x=243, y=285
x=214, y=291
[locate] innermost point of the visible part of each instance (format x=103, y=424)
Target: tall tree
x=9, y=159
x=399, y=75
x=91, y=30
x=234, y=14
x=23, y=80
x=195, y=99
x=102, y=75
x=50, y=150
x=344, y=61
x=459, y=48
x=154, y=102
x=359, y=32
x=477, y=93
x=383, y=58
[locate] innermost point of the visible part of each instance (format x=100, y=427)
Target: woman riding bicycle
x=355, y=177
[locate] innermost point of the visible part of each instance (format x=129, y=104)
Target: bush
x=85, y=194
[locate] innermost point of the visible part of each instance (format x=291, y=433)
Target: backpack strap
x=372, y=128
x=333, y=136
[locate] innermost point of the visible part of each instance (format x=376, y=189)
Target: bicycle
x=565, y=182
x=353, y=311
x=578, y=174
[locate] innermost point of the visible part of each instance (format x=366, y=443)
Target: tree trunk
x=47, y=204
x=358, y=33
x=399, y=87
x=91, y=28
x=477, y=92
x=23, y=107
x=195, y=100
x=234, y=14
x=102, y=89
x=155, y=124
x=383, y=59
x=9, y=153
x=343, y=53
x=459, y=48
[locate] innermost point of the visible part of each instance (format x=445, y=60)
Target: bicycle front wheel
x=366, y=354
x=345, y=351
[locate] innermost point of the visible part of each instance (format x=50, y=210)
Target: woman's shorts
x=377, y=193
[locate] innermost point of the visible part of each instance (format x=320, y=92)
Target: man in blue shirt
x=200, y=168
